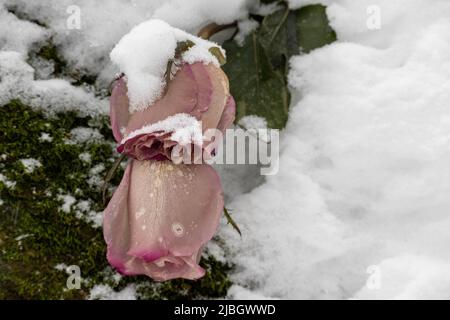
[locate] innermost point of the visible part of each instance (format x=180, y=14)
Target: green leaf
x=313, y=29
x=256, y=87
x=285, y=33
x=278, y=36
x=258, y=69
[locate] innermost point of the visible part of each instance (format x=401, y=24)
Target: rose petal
x=200, y=73
x=181, y=97
x=220, y=93
x=228, y=115
x=115, y=225
x=160, y=217
x=118, y=108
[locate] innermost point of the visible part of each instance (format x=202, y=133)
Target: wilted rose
x=163, y=213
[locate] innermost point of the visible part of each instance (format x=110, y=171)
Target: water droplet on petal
x=178, y=229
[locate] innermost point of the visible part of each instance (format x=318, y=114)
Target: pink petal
x=228, y=115
x=220, y=86
x=160, y=217
x=115, y=224
x=118, y=108
x=200, y=73
x=181, y=97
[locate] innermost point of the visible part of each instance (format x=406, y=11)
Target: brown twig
x=211, y=29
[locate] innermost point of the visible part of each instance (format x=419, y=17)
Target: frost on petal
x=118, y=111
x=160, y=218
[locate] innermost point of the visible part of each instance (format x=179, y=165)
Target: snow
x=30, y=164
x=51, y=96
x=364, y=178
x=194, y=14
x=253, y=122
x=238, y=292
x=245, y=27
x=410, y=277
x=20, y=35
x=84, y=135
x=266, y=9
x=184, y=127
x=87, y=48
x=105, y=292
x=295, y=4
x=83, y=211
x=23, y=236
x=67, y=200
x=8, y=183
x=45, y=137
x=96, y=176
x=257, y=127
x=145, y=67
x=61, y=267
x=85, y=157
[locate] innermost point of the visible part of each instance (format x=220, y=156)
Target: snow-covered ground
x=361, y=205
x=362, y=195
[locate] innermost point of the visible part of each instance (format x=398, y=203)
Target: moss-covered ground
x=36, y=234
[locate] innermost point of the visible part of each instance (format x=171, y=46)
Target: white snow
x=50, y=96
x=19, y=35
x=105, y=292
x=96, y=176
x=253, y=122
x=85, y=157
x=184, y=127
x=30, y=164
x=295, y=4
x=410, y=277
x=83, y=211
x=364, y=174
x=23, y=236
x=194, y=14
x=145, y=67
x=245, y=27
x=8, y=183
x=67, y=200
x=84, y=135
x=45, y=137
x=61, y=267
x=102, y=26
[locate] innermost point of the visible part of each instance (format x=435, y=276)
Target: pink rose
x=162, y=213
x=198, y=90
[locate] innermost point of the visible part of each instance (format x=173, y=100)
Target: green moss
x=27, y=266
